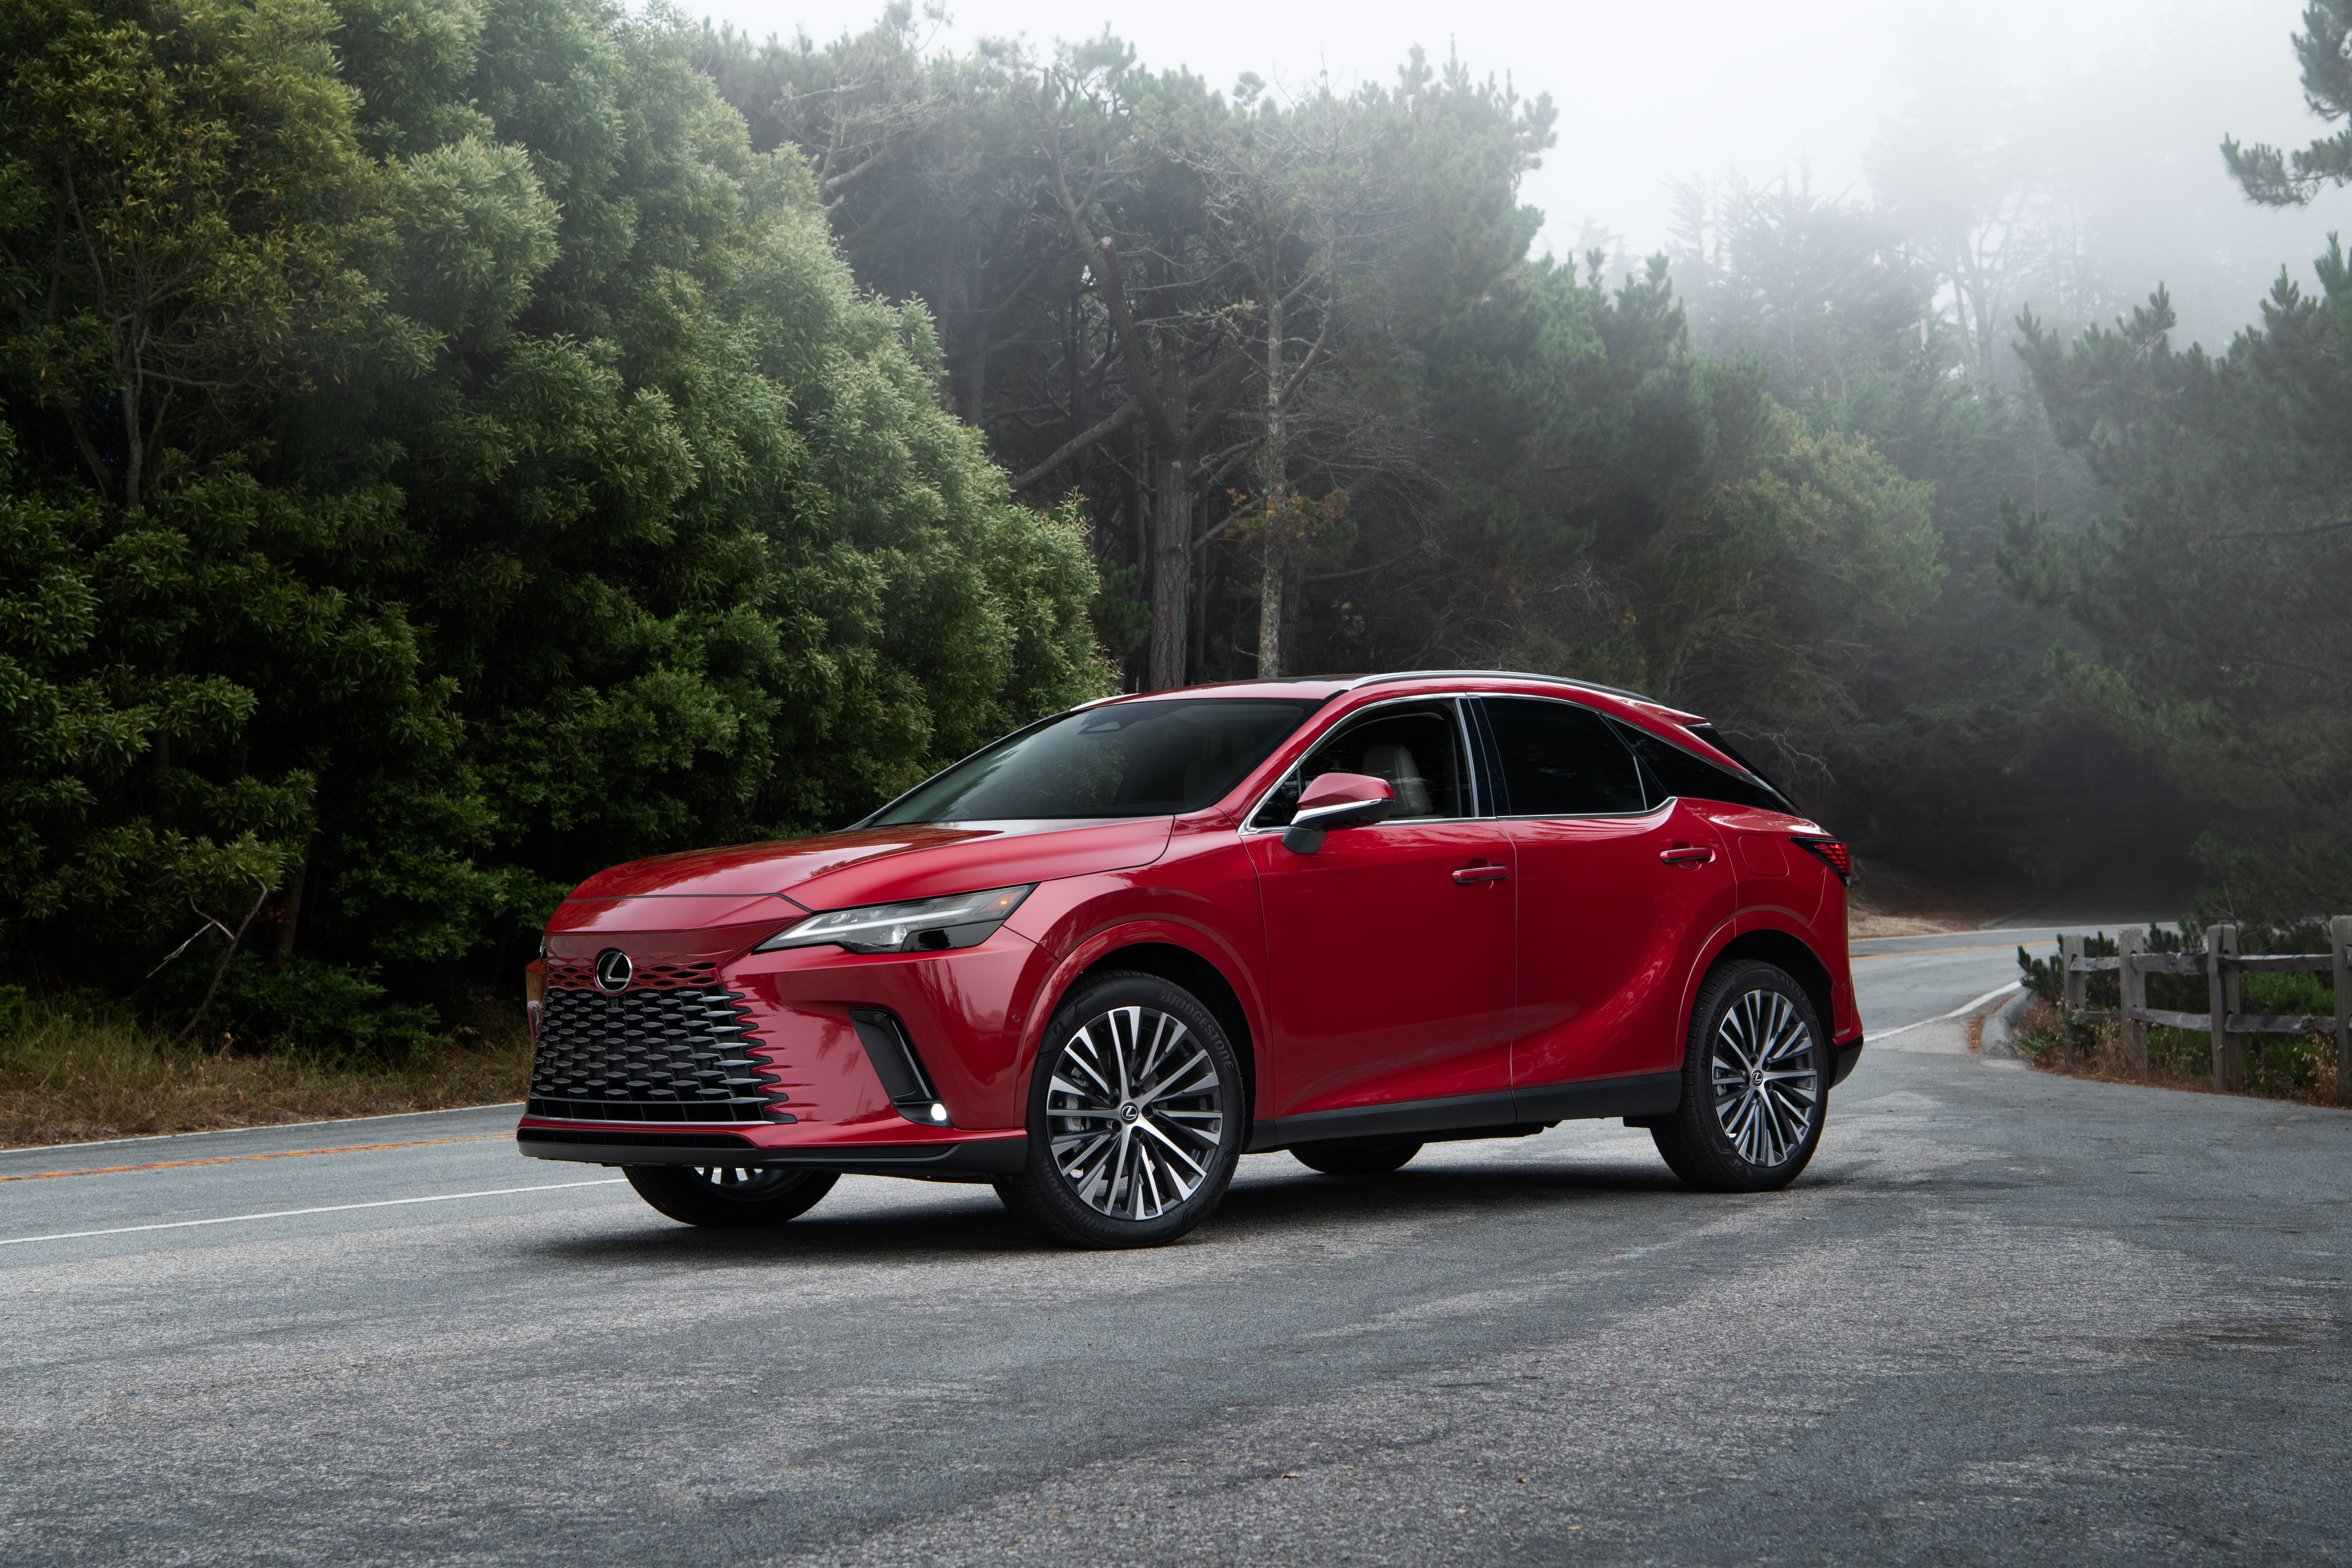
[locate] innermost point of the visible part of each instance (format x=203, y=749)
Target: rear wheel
x=1755, y=1083
x=730, y=1197
x=1135, y=1117
x=1355, y=1162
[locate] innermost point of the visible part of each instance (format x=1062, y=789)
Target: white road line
x=330, y=1208
x=1956, y=1012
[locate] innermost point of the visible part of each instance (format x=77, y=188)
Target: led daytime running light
x=916, y=926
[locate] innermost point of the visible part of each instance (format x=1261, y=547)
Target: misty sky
x=1651, y=94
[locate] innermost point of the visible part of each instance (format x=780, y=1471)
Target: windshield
x=1129, y=760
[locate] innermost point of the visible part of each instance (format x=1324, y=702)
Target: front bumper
x=965, y=1159
x=1849, y=1056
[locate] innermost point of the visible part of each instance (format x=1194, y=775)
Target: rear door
x=1391, y=949
x=1618, y=884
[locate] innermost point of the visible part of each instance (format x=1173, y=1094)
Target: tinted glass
x=1667, y=769
x=1417, y=749
x=1560, y=760
x=1714, y=737
x=1130, y=759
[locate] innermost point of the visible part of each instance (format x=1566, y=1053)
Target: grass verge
x=2299, y=1068
x=68, y=1078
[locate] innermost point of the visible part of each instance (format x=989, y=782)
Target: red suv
x=1100, y=960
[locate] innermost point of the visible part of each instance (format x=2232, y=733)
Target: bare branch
x=1077, y=444
x=214, y=989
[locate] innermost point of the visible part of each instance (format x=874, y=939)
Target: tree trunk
x=1281, y=569
x=1171, y=576
x=1172, y=536
x=975, y=358
x=290, y=916
x=1291, y=596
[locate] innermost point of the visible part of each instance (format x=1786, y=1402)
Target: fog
x=2119, y=107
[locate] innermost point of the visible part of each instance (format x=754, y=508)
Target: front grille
x=672, y=1051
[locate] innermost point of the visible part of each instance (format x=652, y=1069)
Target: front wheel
x=1135, y=1117
x=1754, y=1083
x=730, y=1199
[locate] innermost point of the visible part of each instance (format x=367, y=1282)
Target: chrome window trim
x=1461, y=737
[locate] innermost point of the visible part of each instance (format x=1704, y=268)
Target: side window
x=1418, y=750
x=1560, y=760
x=1667, y=769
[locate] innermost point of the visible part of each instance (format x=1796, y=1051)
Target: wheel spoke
x=1166, y=1034
x=1173, y=1150
x=1167, y=1087
x=1084, y=1054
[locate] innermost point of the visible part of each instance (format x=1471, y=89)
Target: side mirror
x=1336, y=801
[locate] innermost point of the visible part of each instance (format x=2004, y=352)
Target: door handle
x=1471, y=875
x=1686, y=855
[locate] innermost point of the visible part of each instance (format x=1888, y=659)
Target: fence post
x=2135, y=998
x=2070, y=949
x=2221, y=989
x=2340, y=931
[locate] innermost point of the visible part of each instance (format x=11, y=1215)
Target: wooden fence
x=2221, y=965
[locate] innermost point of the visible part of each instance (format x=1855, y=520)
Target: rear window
x=1668, y=770
x=1127, y=759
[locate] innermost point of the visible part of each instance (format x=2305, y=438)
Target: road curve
x=2005, y=1314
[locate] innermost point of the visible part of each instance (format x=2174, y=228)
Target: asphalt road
x=2005, y=1317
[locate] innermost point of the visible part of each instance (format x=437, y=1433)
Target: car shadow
x=951, y=1225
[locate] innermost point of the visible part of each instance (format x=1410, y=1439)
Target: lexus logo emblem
x=613, y=971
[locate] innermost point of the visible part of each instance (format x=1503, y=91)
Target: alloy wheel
x=1136, y=1112
x=745, y=1183
x=1766, y=1077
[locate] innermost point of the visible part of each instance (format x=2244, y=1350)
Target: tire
x=730, y=1200
x=1352, y=1162
x=1111, y=1168
x=1755, y=1083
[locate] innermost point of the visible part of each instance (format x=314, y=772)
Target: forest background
x=447, y=446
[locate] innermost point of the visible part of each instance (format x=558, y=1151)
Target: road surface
x=2005, y=1316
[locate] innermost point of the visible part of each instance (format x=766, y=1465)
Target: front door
x=1390, y=950
x=1618, y=891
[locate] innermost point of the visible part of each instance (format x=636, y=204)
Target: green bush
x=340, y=1013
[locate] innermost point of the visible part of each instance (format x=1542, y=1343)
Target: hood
x=870, y=865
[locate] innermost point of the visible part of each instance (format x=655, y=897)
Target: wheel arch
x=1788, y=953
x=1182, y=966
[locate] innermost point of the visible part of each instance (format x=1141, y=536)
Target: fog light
x=939, y=1111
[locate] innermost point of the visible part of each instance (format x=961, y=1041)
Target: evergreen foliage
x=2214, y=595
x=2323, y=51
x=526, y=486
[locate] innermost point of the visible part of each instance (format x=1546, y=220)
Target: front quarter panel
x=1201, y=896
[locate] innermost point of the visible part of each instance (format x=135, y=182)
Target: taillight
x=1833, y=854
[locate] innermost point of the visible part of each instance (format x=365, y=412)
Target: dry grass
x=2301, y=1069
x=67, y=1080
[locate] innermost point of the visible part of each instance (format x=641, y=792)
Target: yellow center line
x=233, y=1159
x=1916, y=952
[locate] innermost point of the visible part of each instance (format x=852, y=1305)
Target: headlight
x=921, y=925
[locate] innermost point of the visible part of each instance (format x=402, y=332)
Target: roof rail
x=1502, y=675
